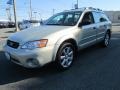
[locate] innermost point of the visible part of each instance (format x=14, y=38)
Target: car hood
x=36, y=33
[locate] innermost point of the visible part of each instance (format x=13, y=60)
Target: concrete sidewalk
x=4, y=34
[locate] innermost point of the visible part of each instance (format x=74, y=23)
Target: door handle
x=105, y=26
x=94, y=28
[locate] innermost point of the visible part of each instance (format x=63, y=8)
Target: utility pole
x=30, y=10
x=15, y=15
x=77, y=3
x=53, y=11
x=35, y=15
x=40, y=16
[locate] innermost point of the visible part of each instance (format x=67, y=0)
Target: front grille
x=12, y=44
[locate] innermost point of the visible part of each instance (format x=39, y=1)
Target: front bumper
x=30, y=58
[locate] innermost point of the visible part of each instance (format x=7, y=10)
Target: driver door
x=88, y=30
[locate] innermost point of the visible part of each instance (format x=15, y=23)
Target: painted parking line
x=3, y=38
x=115, y=38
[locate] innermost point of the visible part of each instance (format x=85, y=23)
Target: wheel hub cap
x=66, y=57
x=107, y=40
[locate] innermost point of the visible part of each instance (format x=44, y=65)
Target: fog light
x=32, y=62
x=7, y=55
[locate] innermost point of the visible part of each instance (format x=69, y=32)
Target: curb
x=2, y=38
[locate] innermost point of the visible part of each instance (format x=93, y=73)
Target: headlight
x=35, y=44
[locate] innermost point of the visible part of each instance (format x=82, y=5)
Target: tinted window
x=88, y=19
x=64, y=19
x=103, y=18
x=76, y=17
x=100, y=17
x=96, y=17
x=119, y=17
x=57, y=20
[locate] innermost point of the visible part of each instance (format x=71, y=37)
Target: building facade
x=114, y=16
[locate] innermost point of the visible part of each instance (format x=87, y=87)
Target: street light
x=53, y=11
x=76, y=5
x=40, y=16
x=35, y=14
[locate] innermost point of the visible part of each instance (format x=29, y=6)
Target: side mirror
x=80, y=25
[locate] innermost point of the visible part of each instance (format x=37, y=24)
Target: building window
x=119, y=17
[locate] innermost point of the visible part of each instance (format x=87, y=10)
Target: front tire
x=65, y=56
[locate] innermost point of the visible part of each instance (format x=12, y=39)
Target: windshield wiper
x=53, y=24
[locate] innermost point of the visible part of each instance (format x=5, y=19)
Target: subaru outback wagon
x=59, y=39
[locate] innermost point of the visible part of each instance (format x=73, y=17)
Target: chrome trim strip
x=88, y=42
x=94, y=39
x=89, y=37
x=101, y=33
x=100, y=38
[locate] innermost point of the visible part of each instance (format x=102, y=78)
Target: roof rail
x=86, y=8
x=91, y=8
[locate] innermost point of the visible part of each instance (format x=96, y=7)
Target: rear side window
x=103, y=18
x=100, y=17
x=96, y=17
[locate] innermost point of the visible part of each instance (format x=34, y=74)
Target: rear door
x=101, y=22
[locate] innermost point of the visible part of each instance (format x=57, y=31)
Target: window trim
x=100, y=15
x=92, y=18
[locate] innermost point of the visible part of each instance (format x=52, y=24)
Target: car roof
x=85, y=9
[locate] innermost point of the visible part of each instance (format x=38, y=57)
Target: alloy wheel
x=66, y=57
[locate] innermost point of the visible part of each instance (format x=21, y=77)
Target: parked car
x=59, y=39
x=35, y=23
x=11, y=25
x=24, y=25
x=3, y=24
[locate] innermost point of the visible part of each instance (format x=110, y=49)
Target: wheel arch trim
x=60, y=42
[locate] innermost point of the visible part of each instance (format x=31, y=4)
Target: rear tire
x=106, y=41
x=65, y=56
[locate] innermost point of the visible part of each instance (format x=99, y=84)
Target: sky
x=44, y=8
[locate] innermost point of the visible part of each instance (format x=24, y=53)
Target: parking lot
x=96, y=68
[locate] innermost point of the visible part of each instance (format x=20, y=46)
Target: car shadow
x=10, y=72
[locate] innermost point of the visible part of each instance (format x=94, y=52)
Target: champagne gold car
x=59, y=38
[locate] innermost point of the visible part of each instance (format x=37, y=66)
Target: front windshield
x=65, y=19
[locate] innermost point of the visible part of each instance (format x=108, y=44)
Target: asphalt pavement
x=95, y=68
